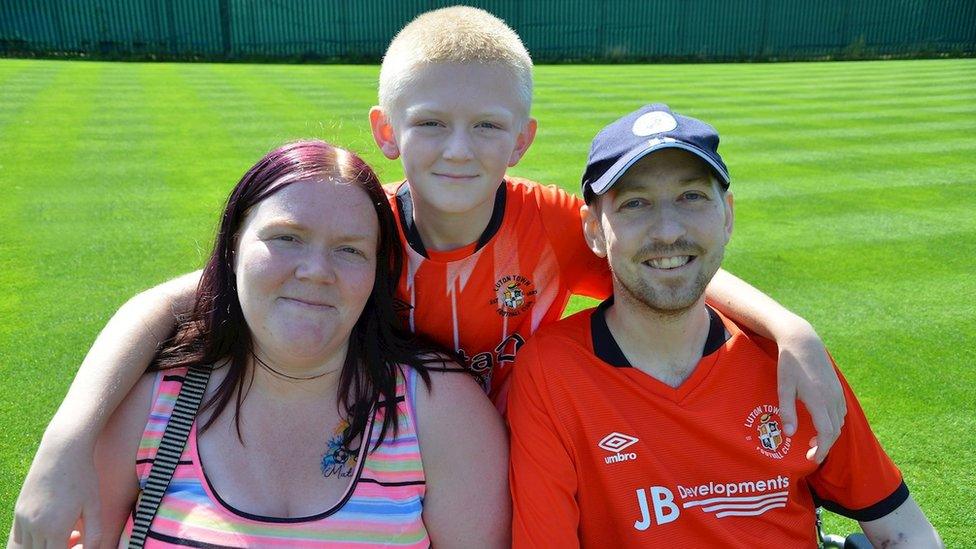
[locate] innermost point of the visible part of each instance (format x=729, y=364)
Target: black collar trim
x=605, y=347
x=405, y=207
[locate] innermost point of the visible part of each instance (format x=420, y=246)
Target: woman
x=321, y=423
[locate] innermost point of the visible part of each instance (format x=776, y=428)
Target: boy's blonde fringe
x=458, y=34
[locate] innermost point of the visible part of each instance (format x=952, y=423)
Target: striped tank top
x=381, y=508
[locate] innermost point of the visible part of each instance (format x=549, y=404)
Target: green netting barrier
x=553, y=30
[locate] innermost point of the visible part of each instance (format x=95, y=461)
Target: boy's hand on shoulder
x=805, y=371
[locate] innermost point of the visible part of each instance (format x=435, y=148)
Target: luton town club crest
x=513, y=298
x=765, y=430
x=769, y=432
x=514, y=294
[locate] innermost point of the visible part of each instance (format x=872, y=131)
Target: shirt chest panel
x=717, y=461
x=485, y=305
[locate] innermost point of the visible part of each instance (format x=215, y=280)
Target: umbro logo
x=617, y=442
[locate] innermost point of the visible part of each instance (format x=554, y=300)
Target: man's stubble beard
x=666, y=303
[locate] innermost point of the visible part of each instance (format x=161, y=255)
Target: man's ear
x=379, y=122
x=593, y=230
x=523, y=141
x=729, y=216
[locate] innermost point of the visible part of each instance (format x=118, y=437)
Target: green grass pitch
x=854, y=186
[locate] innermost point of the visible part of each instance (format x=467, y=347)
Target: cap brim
x=621, y=166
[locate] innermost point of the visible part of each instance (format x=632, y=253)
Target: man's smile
x=669, y=263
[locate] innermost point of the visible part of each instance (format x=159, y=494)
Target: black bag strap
x=169, y=452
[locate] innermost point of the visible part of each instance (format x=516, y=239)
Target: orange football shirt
x=485, y=300
x=604, y=455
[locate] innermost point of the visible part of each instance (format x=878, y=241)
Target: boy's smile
x=456, y=127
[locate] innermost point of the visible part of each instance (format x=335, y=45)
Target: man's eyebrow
x=632, y=186
x=696, y=179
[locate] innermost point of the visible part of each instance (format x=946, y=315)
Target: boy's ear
x=522, y=142
x=593, y=231
x=379, y=122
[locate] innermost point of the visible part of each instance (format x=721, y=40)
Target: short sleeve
x=858, y=479
x=542, y=473
x=583, y=271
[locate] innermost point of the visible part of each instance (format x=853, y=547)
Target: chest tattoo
x=338, y=461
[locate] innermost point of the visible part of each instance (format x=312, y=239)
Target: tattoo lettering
x=338, y=461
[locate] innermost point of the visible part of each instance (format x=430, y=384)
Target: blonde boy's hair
x=458, y=34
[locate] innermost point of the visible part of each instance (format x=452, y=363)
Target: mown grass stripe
x=38, y=345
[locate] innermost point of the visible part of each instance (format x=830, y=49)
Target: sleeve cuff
x=873, y=512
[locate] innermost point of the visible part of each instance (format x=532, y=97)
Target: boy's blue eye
x=286, y=238
x=488, y=125
x=694, y=196
x=631, y=204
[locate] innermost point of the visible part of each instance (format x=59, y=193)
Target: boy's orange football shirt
x=604, y=455
x=485, y=300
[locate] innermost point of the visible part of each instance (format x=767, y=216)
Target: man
x=651, y=419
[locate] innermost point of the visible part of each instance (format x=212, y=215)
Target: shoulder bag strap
x=169, y=452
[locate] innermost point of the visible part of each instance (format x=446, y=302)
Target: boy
x=491, y=258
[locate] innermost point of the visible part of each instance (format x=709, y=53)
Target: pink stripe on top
x=382, y=508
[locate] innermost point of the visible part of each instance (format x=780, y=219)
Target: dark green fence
x=553, y=30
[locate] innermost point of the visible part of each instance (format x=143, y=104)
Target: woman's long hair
x=216, y=331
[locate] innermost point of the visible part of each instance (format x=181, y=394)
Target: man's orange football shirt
x=485, y=300
x=604, y=455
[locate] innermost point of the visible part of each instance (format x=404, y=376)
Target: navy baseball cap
x=651, y=128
